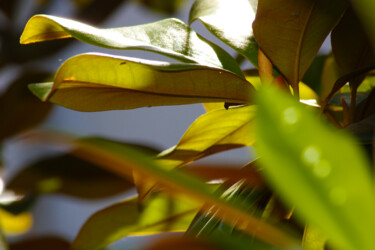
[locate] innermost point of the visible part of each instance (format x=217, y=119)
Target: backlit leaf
x=291, y=32
x=121, y=159
x=317, y=169
x=169, y=37
x=231, y=22
x=211, y=133
x=157, y=215
x=97, y=82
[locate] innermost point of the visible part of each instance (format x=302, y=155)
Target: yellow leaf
x=15, y=224
x=98, y=82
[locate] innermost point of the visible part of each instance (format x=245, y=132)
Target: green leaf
x=157, y=215
x=121, y=159
x=313, y=239
x=213, y=132
x=97, y=82
x=351, y=47
x=169, y=37
x=68, y=175
x=317, y=169
x=231, y=22
x=291, y=32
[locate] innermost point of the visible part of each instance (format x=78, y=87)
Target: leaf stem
x=265, y=68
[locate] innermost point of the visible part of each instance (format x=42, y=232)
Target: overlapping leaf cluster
x=312, y=185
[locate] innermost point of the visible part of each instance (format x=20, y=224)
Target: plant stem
x=265, y=68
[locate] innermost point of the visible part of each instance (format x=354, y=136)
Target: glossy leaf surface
x=169, y=37
x=322, y=172
x=157, y=215
x=97, y=82
x=211, y=133
x=291, y=32
x=230, y=22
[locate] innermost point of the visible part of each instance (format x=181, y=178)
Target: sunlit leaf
x=169, y=37
x=158, y=214
x=291, y=32
x=41, y=242
x=317, y=169
x=351, y=46
x=97, y=82
x=120, y=159
x=15, y=224
x=211, y=133
x=230, y=22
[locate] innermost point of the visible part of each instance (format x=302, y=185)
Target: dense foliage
x=309, y=117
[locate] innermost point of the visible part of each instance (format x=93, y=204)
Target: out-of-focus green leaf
x=19, y=109
x=313, y=239
x=120, y=159
x=157, y=215
x=351, y=46
x=97, y=82
x=169, y=37
x=164, y=6
x=68, y=175
x=317, y=169
x=291, y=32
x=231, y=22
x=211, y=133
x=39, y=243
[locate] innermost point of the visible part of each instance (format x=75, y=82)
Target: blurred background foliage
x=20, y=111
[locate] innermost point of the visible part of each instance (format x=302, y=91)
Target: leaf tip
x=41, y=90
